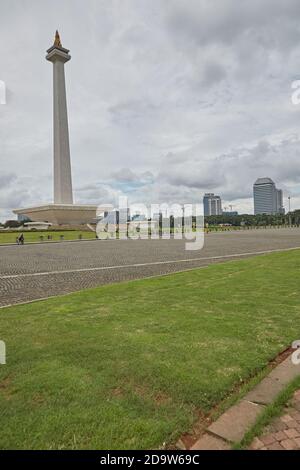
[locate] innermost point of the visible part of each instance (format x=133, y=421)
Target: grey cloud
x=233, y=174
x=11, y=199
x=213, y=73
x=196, y=93
x=127, y=175
x=6, y=180
x=243, y=38
x=225, y=22
x=14, y=195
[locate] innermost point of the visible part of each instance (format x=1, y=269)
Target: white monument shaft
x=63, y=211
x=63, y=193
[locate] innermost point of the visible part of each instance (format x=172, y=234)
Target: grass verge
x=132, y=365
x=35, y=236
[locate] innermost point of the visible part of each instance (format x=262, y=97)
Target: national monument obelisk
x=63, y=193
x=63, y=211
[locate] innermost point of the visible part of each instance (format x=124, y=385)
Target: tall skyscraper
x=212, y=204
x=267, y=198
x=280, y=207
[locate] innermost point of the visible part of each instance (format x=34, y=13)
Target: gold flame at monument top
x=57, y=41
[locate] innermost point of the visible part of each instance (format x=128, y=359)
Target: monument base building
x=60, y=214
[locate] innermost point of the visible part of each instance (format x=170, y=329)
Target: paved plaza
x=38, y=271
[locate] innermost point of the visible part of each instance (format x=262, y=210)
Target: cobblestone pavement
x=32, y=272
x=283, y=433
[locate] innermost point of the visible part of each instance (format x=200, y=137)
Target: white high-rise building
x=212, y=204
x=267, y=198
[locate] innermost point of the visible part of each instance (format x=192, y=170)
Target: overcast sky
x=167, y=99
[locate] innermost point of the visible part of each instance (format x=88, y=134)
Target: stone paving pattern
x=30, y=260
x=284, y=432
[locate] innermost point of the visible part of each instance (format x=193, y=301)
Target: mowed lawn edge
x=35, y=236
x=132, y=365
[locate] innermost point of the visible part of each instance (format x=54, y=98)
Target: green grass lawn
x=132, y=365
x=34, y=236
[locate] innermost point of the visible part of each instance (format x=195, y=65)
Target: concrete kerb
x=232, y=425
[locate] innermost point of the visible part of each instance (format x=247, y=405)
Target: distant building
x=121, y=216
x=212, y=204
x=36, y=226
x=280, y=207
x=139, y=218
x=267, y=198
x=23, y=218
x=231, y=213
